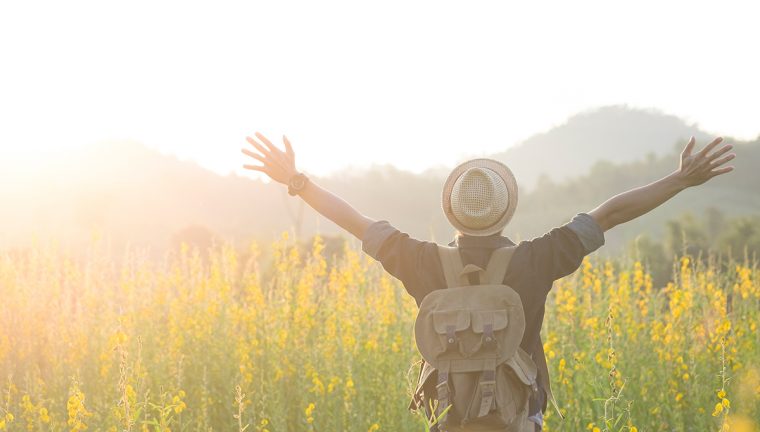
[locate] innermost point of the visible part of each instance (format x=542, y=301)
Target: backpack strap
x=444, y=392
x=452, y=266
x=422, y=392
x=487, y=386
x=498, y=264
x=456, y=272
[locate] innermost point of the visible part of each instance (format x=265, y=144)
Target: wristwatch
x=297, y=183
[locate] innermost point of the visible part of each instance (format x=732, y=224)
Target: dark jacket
x=535, y=265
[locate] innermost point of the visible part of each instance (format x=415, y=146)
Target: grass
x=213, y=341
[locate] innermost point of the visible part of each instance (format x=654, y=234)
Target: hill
x=615, y=134
x=132, y=195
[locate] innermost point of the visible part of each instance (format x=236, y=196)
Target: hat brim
x=509, y=179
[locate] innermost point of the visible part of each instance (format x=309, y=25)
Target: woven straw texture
x=480, y=197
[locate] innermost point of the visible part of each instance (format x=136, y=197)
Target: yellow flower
x=374, y=427
x=318, y=386
x=334, y=381
x=44, y=417
x=718, y=409
x=308, y=411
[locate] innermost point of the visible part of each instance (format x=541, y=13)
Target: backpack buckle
x=489, y=341
x=487, y=386
x=451, y=339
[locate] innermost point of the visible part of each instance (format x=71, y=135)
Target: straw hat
x=480, y=197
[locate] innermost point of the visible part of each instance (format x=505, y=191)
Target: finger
x=258, y=146
x=721, y=161
x=256, y=168
x=254, y=155
x=720, y=171
x=274, y=158
x=689, y=147
x=268, y=143
x=710, y=146
x=720, y=152
x=277, y=155
x=288, y=147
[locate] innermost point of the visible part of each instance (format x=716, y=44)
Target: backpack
x=469, y=337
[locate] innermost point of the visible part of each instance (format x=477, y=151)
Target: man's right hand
x=278, y=165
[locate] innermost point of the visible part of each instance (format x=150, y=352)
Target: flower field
x=293, y=340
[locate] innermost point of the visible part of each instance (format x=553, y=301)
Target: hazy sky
x=413, y=83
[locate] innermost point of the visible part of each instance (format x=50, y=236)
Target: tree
x=742, y=235
x=651, y=254
x=194, y=236
x=685, y=236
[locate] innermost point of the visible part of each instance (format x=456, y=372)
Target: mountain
x=615, y=133
x=552, y=202
x=128, y=194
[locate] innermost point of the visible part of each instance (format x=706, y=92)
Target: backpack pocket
x=488, y=326
x=447, y=324
x=523, y=367
x=503, y=410
x=512, y=397
x=496, y=319
x=515, y=380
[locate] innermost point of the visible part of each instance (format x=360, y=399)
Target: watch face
x=297, y=182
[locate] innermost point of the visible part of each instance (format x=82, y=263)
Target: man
x=479, y=198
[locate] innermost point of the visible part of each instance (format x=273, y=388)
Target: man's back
x=535, y=265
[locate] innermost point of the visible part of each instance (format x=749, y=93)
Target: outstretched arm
x=695, y=169
x=281, y=167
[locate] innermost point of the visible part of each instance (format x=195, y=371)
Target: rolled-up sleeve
x=402, y=256
x=588, y=231
x=560, y=252
x=374, y=237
